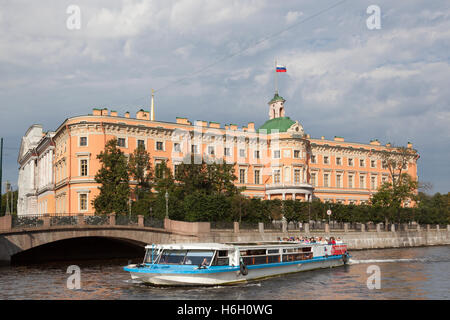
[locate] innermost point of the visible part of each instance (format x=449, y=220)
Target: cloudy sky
x=213, y=60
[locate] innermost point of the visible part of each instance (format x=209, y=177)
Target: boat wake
x=355, y=261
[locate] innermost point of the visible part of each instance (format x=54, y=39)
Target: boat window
x=270, y=251
x=221, y=258
x=149, y=255
x=172, y=257
x=194, y=257
x=197, y=257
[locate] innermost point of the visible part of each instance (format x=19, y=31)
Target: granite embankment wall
x=355, y=240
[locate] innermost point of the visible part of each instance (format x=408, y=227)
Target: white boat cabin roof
x=228, y=246
x=192, y=246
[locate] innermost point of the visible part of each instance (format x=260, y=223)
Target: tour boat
x=228, y=263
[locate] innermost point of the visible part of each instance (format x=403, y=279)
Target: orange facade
x=277, y=161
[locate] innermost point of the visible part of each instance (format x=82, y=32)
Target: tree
x=392, y=195
x=140, y=170
x=400, y=188
x=113, y=179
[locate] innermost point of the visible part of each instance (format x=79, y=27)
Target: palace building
x=275, y=161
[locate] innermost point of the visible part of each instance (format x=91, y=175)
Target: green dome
x=281, y=123
x=276, y=98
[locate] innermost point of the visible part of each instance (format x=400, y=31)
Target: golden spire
x=152, y=110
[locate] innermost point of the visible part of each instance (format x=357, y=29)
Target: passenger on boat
x=332, y=241
x=339, y=241
x=205, y=262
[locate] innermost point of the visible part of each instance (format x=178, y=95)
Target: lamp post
x=167, y=204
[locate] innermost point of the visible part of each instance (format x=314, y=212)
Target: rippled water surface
x=413, y=273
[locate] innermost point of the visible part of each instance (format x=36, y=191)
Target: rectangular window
x=242, y=153
x=159, y=172
x=256, y=154
x=313, y=159
x=350, y=162
x=338, y=161
x=325, y=160
x=297, y=176
x=373, y=183
x=276, y=176
x=350, y=181
x=211, y=150
x=242, y=176
x=276, y=154
x=296, y=154
x=373, y=163
x=257, y=177
x=338, y=181
x=194, y=149
x=177, y=147
x=362, y=182
x=313, y=179
x=361, y=163
x=121, y=142
x=325, y=180
x=384, y=179
x=83, y=141
x=227, y=151
x=159, y=145
x=141, y=144
x=83, y=167
x=83, y=202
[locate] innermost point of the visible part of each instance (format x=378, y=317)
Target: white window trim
x=273, y=176
x=145, y=143
x=80, y=192
x=254, y=176
x=328, y=179
x=163, y=145
x=79, y=141
x=126, y=142
x=245, y=175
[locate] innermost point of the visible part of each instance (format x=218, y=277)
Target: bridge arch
x=15, y=242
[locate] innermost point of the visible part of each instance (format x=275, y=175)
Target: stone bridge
x=14, y=240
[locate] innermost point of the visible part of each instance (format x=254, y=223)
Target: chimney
x=233, y=126
x=183, y=121
x=104, y=111
x=113, y=113
x=127, y=114
x=96, y=112
x=336, y=138
x=251, y=127
x=142, y=115
x=201, y=123
x=215, y=125
x=409, y=145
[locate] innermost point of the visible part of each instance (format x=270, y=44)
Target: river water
x=407, y=273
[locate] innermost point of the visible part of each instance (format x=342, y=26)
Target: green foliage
x=206, y=191
x=14, y=195
x=114, y=181
x=391, y=196
x=140, y=170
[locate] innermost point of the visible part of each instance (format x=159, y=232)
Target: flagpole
x=276, y=77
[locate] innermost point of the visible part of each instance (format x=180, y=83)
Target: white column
x=284, y=196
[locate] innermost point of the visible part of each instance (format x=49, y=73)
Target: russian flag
x=281, y=68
